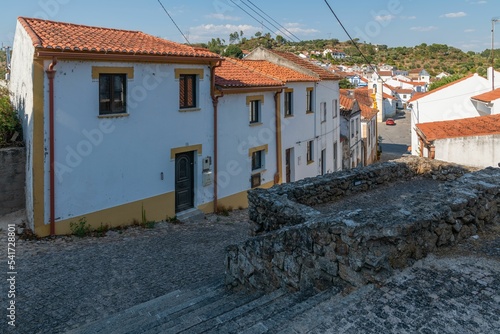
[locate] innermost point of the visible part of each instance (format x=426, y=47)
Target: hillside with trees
x=435, y=58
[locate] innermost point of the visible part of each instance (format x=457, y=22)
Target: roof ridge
x=80, y=25
x=33, y=35
x=428, y=93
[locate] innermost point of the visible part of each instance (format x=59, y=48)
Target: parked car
x=390, y=121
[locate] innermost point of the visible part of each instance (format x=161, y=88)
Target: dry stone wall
x=299, y=248
x=12, y=179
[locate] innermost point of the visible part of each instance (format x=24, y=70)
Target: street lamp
x=493, y=21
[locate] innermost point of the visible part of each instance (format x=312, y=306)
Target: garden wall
x=12, y=178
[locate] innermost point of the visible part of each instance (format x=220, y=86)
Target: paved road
x=396, y=138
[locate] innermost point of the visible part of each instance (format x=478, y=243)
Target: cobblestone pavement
x=65, y=282
x=68, y=281
x=453, y=291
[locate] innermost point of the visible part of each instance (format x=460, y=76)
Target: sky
x=464, y=24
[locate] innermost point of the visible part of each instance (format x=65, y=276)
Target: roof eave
x=69, y=55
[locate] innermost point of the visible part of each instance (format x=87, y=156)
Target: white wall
x=449, y=103
x=237, y=136
x=297, y=131
x=106, y=162
x=327, y=132
x=476, y=151
x=21, y=85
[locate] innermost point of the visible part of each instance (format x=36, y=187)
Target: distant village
x=116, y=131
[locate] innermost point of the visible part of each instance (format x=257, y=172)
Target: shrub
x=9, y=122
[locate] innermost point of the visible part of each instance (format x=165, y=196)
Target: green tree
x=233, y=51
x=345, y=84
x=445, y=81
x=9, y=122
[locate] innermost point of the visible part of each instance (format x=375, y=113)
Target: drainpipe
x=279, y=162
x=215, y=102
x=51, y=73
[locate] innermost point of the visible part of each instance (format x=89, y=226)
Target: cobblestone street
x=66, y=282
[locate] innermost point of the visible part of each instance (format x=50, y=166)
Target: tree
x=280, y=39
x=233, y=51
x=258, y=34
x=345, y=84
x=216, y=45
x=445, y=81
x=234, y=37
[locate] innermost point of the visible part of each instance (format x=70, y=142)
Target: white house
x=249, y=132
x=467, y=141
x=316, y=101
x=448, y=102
x=487, y=103
x=117, y=125
x=350, y=130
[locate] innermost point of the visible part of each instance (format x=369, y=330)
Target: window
x=352, y=128
x=335, y=107
x=288, y=103
x=309, y=101
x=335, y=156
x=187, y=91
x=255, y=180
x=254, y=111
x=112, y=93
x=323, y=111
x=310, y=149
x=257, y=160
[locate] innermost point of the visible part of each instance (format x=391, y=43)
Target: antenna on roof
x=173, y=22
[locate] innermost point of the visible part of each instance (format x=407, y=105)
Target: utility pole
x=493, y=21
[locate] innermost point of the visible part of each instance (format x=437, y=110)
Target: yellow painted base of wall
x=239, y=200
x=157, y=208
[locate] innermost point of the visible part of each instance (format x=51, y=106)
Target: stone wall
x=12, y=178
x=288, y=204
x=360, y=246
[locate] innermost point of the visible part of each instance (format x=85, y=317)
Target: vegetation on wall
x=10, y=126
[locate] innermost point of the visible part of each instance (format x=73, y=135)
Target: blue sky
x=465, y=24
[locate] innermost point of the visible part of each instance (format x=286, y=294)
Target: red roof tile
x=276, y=71
x=465, y=127
x=346, y=103
x=385, y=73
x=322, y=73
x=421, y=95
x=367, y=112
x=488, y=96
x=233, y=74
x=62, y=36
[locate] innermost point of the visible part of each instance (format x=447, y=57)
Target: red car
x=390, y=121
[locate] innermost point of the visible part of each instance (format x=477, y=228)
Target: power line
x=352, y=40
x=282, y=27
x=174, y=22
x=253, y=17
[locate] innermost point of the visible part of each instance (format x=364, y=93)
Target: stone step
x=213, y=309
x=139, y=313
x=312, y=319
x=190, y=215
x=276, y=313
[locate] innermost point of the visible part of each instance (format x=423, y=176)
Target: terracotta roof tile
x=232, y=73
x=421, y=95
x=488, y=96
x=367, y=112
x=346, y=103
x=53, y=35
x=322, y=73
x=385, y=73
x=364, y=96
x=465, y=127
x=276, y=71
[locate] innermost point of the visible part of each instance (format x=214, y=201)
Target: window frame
x=194, y=89
x=254, y=111
x=323, y=111
x=261, y=155
x=310, y=151
x=309, y=100
x=335, y=108
x=110, y=94
x=288, y=103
